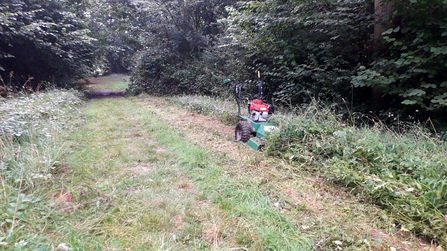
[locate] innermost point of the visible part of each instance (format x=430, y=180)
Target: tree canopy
x=43, y=40
x=305, y=49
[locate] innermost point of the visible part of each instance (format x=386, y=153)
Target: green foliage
x=404, y=173
x=41, y=39
x=174, y=59
x=304, y=50
x=118, y=27
x=412, y=64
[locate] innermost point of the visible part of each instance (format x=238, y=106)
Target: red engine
x=259, y=106
x=259, y=111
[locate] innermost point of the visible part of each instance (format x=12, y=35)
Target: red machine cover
x=259, y=106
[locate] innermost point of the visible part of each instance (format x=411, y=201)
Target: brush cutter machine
x=252, y=129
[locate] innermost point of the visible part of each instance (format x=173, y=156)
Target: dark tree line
x=304, y=49
x=40, y=41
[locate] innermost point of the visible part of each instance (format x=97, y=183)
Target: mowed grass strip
x=137, y=184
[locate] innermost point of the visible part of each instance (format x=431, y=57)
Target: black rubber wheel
x=243, y=131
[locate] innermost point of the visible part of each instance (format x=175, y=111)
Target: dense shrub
x=411, y=64
x=321, y=49
x=304, y=50
x=44, y=42
x=176, y=57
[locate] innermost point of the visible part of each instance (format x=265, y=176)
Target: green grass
x=133, y=178
x=403, y=172
x=32, y=131
x=114, y=82
x=137, y=184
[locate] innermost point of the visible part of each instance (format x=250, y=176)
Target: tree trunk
x=382, y=12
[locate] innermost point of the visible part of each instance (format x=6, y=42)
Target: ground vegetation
x=143, y=172
x=353, y=101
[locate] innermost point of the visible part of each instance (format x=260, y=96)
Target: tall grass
x=32, y=130
x=205, y=105
x=404, y=172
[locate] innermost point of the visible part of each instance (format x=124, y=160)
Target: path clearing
x=147, y=175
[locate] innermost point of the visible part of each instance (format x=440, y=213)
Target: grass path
x=145, y=175
x=142, y=187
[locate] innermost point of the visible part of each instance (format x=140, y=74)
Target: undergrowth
x=403, y=172
x=32, y=129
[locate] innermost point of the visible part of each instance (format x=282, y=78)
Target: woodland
x=361, y=86
x=386, y=57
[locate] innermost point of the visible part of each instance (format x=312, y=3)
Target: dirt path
x=330, y=216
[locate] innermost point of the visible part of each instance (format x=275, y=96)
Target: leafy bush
x=304, y=50
x=411, y=64
x=44, y=40
x=176, y=58
x=32, y=130
x=405, y=173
